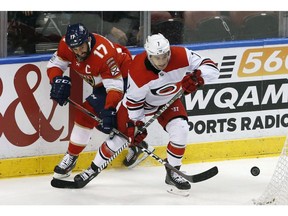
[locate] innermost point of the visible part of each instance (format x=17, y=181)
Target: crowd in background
x=32, y=32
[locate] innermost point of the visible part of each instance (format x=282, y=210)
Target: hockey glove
x=192, y=82
x=60, y=90
x=135, y=136
x=109, y=120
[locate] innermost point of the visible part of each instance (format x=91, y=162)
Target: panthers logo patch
x=114, y=70
x=89, y=79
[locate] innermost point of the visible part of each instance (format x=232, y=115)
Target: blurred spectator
x=118, y=26
x=21, y=31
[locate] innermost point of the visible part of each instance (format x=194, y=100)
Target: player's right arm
x=59, y=61
x=138, y=86
x=60, y=85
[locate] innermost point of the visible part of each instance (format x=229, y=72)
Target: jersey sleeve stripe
x=208, y=62
x=135, y=101
x=134, y=106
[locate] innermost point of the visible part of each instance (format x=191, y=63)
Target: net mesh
x=276, y=192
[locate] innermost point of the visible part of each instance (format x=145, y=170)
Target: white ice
x=233, y=186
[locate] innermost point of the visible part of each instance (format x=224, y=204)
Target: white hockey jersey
x=149, y=88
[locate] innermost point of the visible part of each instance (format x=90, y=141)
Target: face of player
x=160, y=62
x=81, y=51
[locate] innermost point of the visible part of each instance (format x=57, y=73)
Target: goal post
x=276, y=192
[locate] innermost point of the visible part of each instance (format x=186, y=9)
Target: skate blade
x=173, y=190
x=141, y=157
x=61, y=176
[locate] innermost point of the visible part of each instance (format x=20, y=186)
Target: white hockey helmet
x=156, y=44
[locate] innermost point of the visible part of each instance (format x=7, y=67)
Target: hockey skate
x=136, y=156
x=64, y=168
x=86, y=176
x=177, y=184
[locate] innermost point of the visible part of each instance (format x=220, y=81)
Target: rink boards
x=243, y=115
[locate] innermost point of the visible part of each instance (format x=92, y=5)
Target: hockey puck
x=255, y=171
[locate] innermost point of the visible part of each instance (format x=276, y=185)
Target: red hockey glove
x=192, y=82
x=135, y=136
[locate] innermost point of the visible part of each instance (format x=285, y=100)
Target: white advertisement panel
x=249, y=101
x=30, y=123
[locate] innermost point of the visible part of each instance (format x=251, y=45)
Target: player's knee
x=115, y=143
x=178, y=130
x=80, y=135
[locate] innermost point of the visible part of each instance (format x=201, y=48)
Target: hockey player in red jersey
x=103, y=65
x=155, y=76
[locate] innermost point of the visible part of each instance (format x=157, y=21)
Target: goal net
x=276, y=192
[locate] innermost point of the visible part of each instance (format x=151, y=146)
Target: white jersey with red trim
x=149, y=88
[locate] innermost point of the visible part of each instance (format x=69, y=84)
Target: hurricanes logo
x=166, y=90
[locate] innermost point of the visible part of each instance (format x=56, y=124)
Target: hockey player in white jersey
x=155, y=76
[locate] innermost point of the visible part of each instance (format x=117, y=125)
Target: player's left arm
x=113, y=82
x=203, y=71
x=208, y=68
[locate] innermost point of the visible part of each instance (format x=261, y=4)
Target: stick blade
x=58, y=183
x=205, y=175
x=196, y=177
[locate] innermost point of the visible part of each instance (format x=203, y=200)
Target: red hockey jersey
x=105, y=65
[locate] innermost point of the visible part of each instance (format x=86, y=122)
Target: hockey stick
x=152, y=119
x=191, y=178
x=60, y=183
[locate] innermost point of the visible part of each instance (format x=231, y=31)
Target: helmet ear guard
x=76, y=35
x=156, y=44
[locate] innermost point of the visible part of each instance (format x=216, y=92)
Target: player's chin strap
x=119, y=133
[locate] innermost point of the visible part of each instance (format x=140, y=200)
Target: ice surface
x=144, y=188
